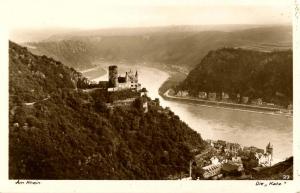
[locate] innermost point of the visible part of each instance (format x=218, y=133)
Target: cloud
x=135, y=13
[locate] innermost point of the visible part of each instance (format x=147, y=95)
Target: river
x=232, y=125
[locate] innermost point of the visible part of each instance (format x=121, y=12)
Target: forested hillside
x=58, y=131
x=249, y=73
x=184, y=47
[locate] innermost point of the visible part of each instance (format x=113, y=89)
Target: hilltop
x=58, y=130
x=249, y=73
x=183, y=46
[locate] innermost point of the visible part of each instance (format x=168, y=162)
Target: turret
x=126, y=77
x=136, y=76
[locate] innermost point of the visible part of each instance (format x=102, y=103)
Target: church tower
x=269, y=150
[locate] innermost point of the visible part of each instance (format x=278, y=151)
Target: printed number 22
x=285, y=177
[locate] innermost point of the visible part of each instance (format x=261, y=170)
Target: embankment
x=253, y=108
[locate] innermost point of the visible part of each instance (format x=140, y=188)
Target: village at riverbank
x=257, y=108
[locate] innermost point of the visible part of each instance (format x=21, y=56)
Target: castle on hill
x=116, y=82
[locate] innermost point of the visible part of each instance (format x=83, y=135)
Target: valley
x=115, y=124
x=183, y=47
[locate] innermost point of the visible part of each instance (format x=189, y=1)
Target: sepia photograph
x=150, y=90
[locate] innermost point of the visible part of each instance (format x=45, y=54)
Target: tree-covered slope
x=250, y=73
x=59, y=132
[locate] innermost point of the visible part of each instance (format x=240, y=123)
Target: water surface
x=243, y=127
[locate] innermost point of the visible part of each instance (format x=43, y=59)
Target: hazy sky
x=135, y=13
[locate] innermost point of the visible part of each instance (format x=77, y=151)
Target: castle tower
x=269, y=150
x=112, y=76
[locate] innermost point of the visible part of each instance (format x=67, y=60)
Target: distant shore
x=217, y=104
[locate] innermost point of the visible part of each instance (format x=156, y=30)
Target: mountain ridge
x=185, y=48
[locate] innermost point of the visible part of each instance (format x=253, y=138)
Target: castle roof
x=144, y=89
x=121, y=79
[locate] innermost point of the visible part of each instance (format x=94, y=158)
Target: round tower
x=113, y=76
